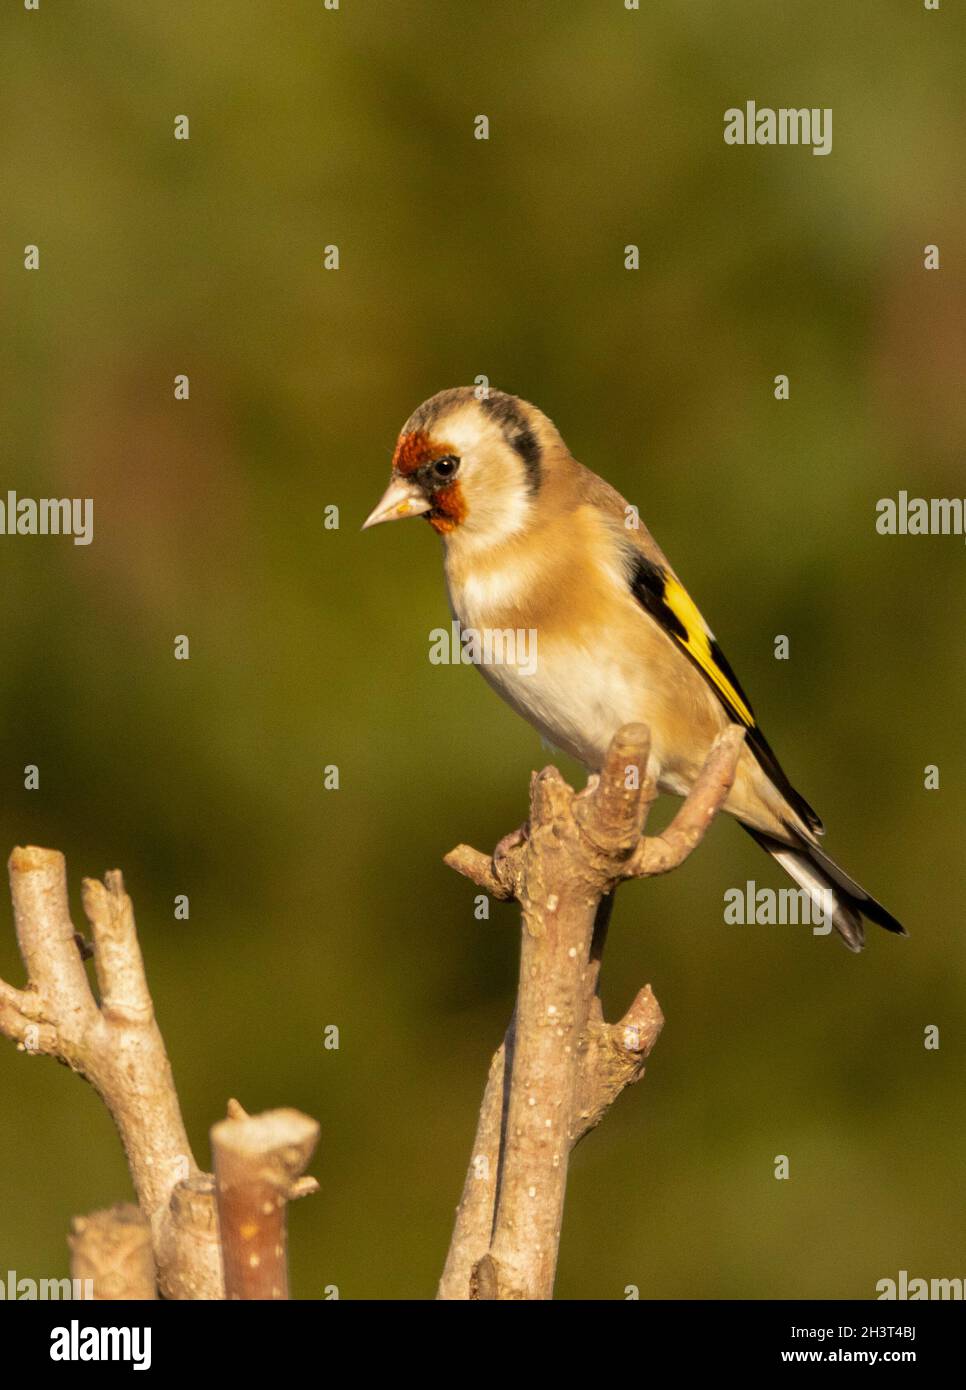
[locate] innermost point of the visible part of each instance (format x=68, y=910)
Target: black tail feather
x=808, y=866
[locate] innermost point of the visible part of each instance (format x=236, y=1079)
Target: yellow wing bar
x=698, y=642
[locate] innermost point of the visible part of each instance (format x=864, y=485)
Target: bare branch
x=474, y=1215
x=117, y=1047
x=613, y=814
x=481, y=869
x=117, y=955
x=258, y=1163
x=561, y=1066
x=661, y=853
x=614, y=1058
x=186, y=1245
x=112, y=1249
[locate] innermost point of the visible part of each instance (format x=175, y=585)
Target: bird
x=534, y=542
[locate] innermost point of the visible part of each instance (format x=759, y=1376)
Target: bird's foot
x=593, y=782
x=513, y=841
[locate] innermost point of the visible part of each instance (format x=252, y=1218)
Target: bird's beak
x=401, y=498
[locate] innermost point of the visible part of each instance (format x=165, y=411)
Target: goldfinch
x=536, y=543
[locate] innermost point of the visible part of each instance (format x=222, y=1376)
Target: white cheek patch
x=510, y=513
x=494, y=481
x=498, y=505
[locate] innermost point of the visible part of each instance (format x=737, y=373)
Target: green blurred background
x=309, y=646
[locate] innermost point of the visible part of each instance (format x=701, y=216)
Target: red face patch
x=449, y=508
x=412, y=451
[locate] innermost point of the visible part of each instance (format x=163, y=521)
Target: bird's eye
x=446, y=467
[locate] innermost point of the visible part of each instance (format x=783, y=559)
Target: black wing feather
x=649, y=585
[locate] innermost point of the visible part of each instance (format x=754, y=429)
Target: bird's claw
x=512, y=841
x=593, y=782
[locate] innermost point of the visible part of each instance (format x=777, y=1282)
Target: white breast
x=485, y=592
x=580, y=690
x=577, y=698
